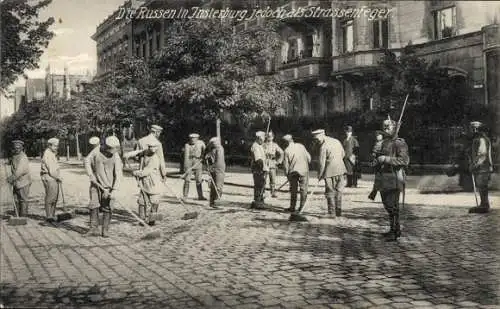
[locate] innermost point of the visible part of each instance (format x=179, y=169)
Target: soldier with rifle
x=390, y=177
x=481, y=166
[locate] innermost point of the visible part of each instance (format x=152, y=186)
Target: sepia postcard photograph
x=231, y=154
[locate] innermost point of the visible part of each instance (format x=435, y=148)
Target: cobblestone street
x=235, y=257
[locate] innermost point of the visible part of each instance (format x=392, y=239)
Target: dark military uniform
x=481, y=166
x=193, y=155
x=390, y=178
x=351, y=148
x=216, y=168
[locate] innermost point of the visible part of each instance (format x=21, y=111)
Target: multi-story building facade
x=326, y=60
x=56, y=85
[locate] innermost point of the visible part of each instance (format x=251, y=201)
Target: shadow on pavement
x=122, y=296
x=439, y=259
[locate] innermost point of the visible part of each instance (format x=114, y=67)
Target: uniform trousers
x=390, y=200
x=97, y=200
x=51, y=195
x=216, y=185
x=272, y=177
x=21, y=197
x=259, y=186
x=298, y=183
x=482, y=180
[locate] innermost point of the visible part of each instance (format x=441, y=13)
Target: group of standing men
x=336, y=165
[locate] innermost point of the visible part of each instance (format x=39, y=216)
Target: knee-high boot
x=483, y=194
x=199, y=189
x=330, y=203
x=338, y=205
x=273, y=191
x=185, y=189
x=105, y=224
x=153, y=214
x=142, y=212
x=94, y=222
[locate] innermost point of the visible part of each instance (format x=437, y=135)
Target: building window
x=348, y=35
x=445, y=22
x=292, y=49
x=158, y=40
x=309, y=45
x=381, y=33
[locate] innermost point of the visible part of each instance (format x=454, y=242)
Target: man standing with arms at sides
x=193, y=156
x=390, y=177
x=331, y=169
x=481, y=165
x=274, y=157
x=20, y=178
x=105, y=168
x=51, y=178
x=377, y=147
x=216, y=168
x=259, y=170
x=351, y=148
x=296, y=165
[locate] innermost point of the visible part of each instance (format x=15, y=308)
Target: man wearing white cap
x=481, y=165
x=94, y=142
x=390, y=177
x=331, y=169
x=105, y=168
x=274, y=157
x=153, y=136
x=216, y=167
x=51, y=178
x=296, y=165
x=193, y=156
x=20, y=178
x=150, y=180
x=259, y=169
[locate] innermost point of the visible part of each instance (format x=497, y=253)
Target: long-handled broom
x=14, y=220
x=65, y=215
x=188, y=215
x=296, y=216
x=151, y=234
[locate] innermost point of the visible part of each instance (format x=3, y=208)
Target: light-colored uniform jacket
x=296, y=159
x=21, y=170
x=331, y=158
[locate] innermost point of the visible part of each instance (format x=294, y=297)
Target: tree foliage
x=434, y=96
x=206, y=67
x=23, y=38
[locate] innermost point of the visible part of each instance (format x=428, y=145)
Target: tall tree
x=23, y=38
x=206, y=68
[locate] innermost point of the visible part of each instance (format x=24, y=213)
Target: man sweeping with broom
x=105, y=172
x=20, y=179
x=216, y=168
x=149, y=178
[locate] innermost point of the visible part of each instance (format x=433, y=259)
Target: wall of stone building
x=463, y=53
x=477, y=14
x=410, y=18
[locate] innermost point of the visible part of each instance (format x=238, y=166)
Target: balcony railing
x=304, y=69
x=357, y=60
